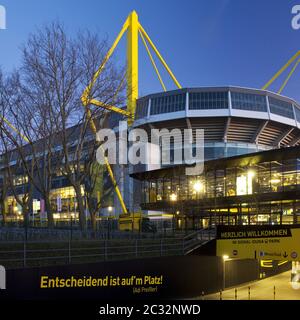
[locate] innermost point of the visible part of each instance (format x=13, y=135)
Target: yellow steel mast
x=132, y=64
x=295, y=57
x=133, y=28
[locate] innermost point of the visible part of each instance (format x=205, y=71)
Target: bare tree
x=10, y=138
x=45, y=108
x=51, y=128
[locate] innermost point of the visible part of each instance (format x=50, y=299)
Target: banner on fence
x=279, y=242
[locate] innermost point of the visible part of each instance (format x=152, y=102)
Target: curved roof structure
x=227, y=114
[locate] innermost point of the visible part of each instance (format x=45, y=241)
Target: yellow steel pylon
x=294, y=58
x=134, y=29
x=132, y=64
x=15, y=129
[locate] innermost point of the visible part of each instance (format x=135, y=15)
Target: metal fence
x=64, y=230
x=26, y=253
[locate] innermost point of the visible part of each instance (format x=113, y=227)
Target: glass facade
x=297, y=111
x=208, y=100
x=263, y=178
x=246, y=101
x=219, y=150
x=282, y=108
x=12, y=207
x=64, y=202
x=256, y=194
x=20, y=180
x=167, y=104
x=142, y=108
x=218, y=99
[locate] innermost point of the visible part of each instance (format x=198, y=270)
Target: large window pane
x=282, y=108
x=167, y=104
x=246, y=101
x=208, y=100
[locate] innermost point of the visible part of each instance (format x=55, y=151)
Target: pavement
x=263, y=290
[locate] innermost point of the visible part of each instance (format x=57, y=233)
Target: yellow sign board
x=259, y=242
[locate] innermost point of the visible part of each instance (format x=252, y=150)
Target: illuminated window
x=13, y=207
x=64, y=199
x=19, y=180
x=244, y=183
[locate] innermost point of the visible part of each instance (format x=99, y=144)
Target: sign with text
x=149, y=278
x=259, y=242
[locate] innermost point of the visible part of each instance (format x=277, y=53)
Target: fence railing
x=14, y=254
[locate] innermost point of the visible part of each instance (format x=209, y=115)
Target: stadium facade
x=251, y=172
x=251, y=140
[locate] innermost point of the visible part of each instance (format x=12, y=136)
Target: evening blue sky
x=205, y=42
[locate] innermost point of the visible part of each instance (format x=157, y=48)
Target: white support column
x=268, y=107
x=229, y=103
x=295, y=116
x=149, y=109
x=187, y=101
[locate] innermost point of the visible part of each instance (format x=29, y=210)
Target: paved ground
x=262, y=290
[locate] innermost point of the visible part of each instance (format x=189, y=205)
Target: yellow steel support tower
x=132, y=64
x=133, y=28
x=295, y=58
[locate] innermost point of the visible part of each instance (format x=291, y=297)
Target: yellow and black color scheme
x=270, y=197
x=133, y=28
x=279, y=242
x=135, y=222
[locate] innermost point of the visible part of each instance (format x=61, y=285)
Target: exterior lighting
x=225, y=257
x=275, y=181
x=244, y=183
x=241, y=185
x=251, y=174
x=173, y=197
x=110, y=209
x=177, y=212
x=56, y=215
x=198, y=186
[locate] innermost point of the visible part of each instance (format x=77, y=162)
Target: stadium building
x=251, y=146
x=251, y=173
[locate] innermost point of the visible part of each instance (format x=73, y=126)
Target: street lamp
x=173, y=198
x=109, y=209
x=198, y=186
